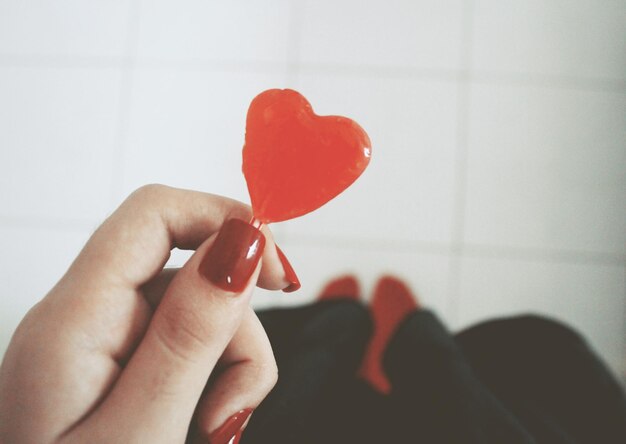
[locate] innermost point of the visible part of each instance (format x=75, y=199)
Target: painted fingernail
x=234, y=255
x=237, y=437
x=230, y=431
x=290, y=274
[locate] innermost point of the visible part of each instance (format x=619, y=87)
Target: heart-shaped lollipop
x=295, y=161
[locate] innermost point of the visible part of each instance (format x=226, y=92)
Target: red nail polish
x=230, y=431
x=290, y=274
x=237, y=437
x=234, y=255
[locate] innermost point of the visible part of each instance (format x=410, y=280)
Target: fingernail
x=230, y=431
x=290, y=274
x=234, y=255
x=237, y=437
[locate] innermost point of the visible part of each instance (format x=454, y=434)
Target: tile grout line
x=124, y=105
x=623, y=375
x=552, y=81
x=296, y=17
x=118, y=154
x=61, y=61
x=460, y=167
x=60, y=225
x=212, y=65
x=467, y=251
x=543, y=255
x=294, y=68
x=415, y=246
x=375, y=71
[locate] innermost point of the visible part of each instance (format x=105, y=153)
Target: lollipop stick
x=256, y=223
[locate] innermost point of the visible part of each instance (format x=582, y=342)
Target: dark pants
x=518, y=380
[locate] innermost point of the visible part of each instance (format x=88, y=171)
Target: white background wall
x=498, y=179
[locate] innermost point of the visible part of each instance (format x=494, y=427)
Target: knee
x=545, y=329
x=519, y=333
x=340, y=321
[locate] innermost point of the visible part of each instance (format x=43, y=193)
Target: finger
x=99, y=298
x=156, y=394
x=247, y=374
x=154, y=290
x=134, y=243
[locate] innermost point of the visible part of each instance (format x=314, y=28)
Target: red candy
x=295, y=161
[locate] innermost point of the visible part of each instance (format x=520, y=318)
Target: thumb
x=156, y=394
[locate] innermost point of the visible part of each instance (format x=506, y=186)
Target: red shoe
x=391, y=304
x=343, y=287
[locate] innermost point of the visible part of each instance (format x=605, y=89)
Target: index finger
x=134, y=243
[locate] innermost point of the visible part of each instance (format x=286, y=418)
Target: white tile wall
x=187, y=126
x=546, y=168
x=196, y=30
x=426, y=273
x=57, y=129
x=585, y=295
x=497, y=184
x=64, y=28
x=582, y=38
x=399, y=33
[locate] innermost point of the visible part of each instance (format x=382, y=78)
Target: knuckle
x=29, y=325
x=236, y=209
x=267, y=375
x=148, y=193
x=181, y=332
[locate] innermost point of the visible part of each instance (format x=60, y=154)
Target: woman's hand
x=121, y=350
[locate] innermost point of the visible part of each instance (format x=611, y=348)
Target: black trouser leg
x=436, y=395
x=318, y=349
x=549, y=377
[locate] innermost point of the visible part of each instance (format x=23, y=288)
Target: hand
x=121, y=350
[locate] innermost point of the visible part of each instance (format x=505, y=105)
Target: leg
x=549, y=376
x=318, y=348
x=437, y=397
